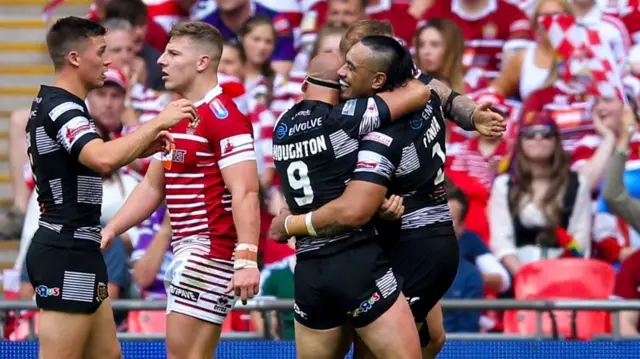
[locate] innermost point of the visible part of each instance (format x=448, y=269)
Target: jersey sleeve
x=376, y=159
x=70, y=126
x=231, y=136
x=358, y=117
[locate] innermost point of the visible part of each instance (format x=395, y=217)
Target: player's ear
x=204, y=62
x=379, y=79
x=74, y=58
x=304, y=86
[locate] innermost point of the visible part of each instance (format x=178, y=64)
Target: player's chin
x=346, y=93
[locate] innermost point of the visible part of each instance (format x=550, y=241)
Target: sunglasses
x=544, y=131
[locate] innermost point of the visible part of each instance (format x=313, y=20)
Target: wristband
x=247, y=247
x=244, y=263
x=307, y=221
x=286, y=224
x=246, y=256
x=296, y=226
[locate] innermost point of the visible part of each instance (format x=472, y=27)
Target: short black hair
x=454, y=193
x=391, y=58
x=134, y=11
x=67, y=34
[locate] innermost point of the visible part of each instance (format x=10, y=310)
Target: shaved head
x=325, y=67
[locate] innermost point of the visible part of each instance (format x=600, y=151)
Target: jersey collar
x=456, y=8
x=209, y=96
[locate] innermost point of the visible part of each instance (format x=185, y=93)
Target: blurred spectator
x=119, y=42
x=233, y=60
x=612, y=31
x=478, y=198
x=472, y=248
x=258, y=41
x=144, y=29
x=168, y=12
x=12, y=223
x=492, y=29
x=152, y=255
x=231, y=15
x=439, y=48
x=528, y=70
x=276, y=282
x=628, y=288
x=466, y=285
x=397, y=13
x=543, y=209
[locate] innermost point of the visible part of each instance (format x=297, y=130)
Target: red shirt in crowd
x=499, y=25
x=628, y=280
x=397, y=13
x=471, y=161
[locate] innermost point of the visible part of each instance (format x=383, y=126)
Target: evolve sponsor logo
x=305, y=126
x=281, y=131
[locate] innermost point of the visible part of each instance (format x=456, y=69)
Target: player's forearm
x=406, y=99
x=335, y=217
x=245, y=206
x=143, y=200
x=126, y=149
x=462, y=107
x=146, y=268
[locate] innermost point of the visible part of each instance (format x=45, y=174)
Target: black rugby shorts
x=65, y=279
x=356, y=284
x=427, y=261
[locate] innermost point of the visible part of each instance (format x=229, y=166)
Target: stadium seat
x=558, y=279
x=147, y=322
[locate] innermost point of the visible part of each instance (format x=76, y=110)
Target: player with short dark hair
x=210, y=183
x=68, y=158
x=315, y=150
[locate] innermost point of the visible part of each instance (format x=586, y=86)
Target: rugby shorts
x=427, y=260
x=196, y=285
x=70, y=280
x=356, y=285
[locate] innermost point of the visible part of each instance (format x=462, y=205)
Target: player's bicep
x=375, y=159
x=241, y=178
x=155, y=175
x=359, y=117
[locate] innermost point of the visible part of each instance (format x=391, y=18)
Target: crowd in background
x=561, y=182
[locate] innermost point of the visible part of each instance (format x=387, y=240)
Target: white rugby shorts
x=196, y=286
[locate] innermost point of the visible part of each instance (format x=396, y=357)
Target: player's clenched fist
x=175, y=112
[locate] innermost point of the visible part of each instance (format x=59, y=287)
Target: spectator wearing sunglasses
x=548, y=205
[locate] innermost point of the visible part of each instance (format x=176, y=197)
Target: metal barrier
x=539, y=306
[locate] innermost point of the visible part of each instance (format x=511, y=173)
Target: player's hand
x=107, y=238
x=245, y=283
x=487, y=122
x=161, y=144
x=175, y=112
x=277, y=230
x=392, y=208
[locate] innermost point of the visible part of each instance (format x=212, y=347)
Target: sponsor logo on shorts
x=366, y=305
x=297, y=310
x=184, y=293
x=102, y=292
x=223, y=305
x=412, y=300
x=44, y=291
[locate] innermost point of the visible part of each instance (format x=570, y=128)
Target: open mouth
x=164, y=75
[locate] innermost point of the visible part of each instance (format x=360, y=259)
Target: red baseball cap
x=115, y=76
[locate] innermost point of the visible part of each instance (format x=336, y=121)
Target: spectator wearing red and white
x=612, y=31
x=230, y=17
x=231, y=75
x=481, y=157
x=168, y=12
x=528, y=70
x=630, y=16
x=288, y=92
x=397, y=13
x=491, y=28
x=627, y=287
x=149, y=39
x=263, y=121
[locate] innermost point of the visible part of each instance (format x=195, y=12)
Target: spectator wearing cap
x=542, y=209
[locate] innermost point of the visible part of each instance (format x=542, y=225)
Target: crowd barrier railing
x=283, y=305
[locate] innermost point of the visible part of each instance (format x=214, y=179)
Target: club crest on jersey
x=489, y=31
x=218, y=109
x=193, y=125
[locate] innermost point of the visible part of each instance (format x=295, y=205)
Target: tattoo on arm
x=462, y=107
x=333, y=229
x=462, y=112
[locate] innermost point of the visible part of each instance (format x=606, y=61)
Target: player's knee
x=437, y=342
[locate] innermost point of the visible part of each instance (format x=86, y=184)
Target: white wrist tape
x=247, y=247
x=286, y=223
x=307, y=221
x=244, y=263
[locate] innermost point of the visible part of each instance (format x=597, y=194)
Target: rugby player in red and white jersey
x=490, y=28
x=210, y=183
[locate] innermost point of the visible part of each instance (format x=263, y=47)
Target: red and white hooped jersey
x=198, y=201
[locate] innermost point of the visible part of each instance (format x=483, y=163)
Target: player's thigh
x=191, y=338
x=319, y=344
x=63, y=341
x=196, y=304
x=103, y=342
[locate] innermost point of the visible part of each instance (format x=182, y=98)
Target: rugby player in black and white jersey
x=68, y=159
x=406, y=159
x=315, y=149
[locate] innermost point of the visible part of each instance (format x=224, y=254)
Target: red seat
x=558, y=279
x=147, y=322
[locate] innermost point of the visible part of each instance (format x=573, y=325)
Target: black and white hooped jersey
x=408, y=158
x=69, y=193
x=315, y=150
